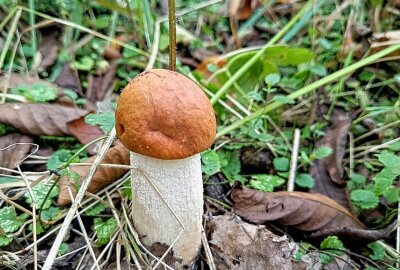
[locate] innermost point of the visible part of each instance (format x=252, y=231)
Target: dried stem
x=172, y=35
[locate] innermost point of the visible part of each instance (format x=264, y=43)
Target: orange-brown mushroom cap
x=165, y=115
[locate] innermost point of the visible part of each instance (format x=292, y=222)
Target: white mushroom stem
x=180, y=185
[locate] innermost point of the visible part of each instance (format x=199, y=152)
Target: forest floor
x=305, y=162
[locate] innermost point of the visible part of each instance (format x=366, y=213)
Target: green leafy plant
x=304, y=180
x=211, y=162
x=105, y=230
x=38, y=92
x=105, y=120
x=40, y=192
x=333, y=245
x=9, y=223
x=321, y=152
x=266, y=182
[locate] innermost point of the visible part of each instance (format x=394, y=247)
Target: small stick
x=172, y=35
x=74, y=207
x=293, y=161
x=207, y=250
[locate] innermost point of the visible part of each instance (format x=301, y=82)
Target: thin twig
x=84, y=233
x=74, y=207
x=172, y=35
x=156, y=38
x=293, y=161
x=207, y=250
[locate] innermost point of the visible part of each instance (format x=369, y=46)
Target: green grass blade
x=311, y=87
x=254, y=59
x=10, y=35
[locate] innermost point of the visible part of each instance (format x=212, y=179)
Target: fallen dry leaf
x=39, y=119
x=13, y=149
x=304, y=211
x=84, y=132
x=240, y=245
x=328, y=172
x=103, y=176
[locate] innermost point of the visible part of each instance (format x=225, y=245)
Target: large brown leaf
x=39, y=119
x=12, y=151
x=103, y=176
x=304, y=211
x=328, y=172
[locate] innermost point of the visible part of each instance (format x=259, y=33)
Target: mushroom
x=166, y=120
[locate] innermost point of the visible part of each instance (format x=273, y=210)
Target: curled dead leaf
x=328, y=172
x=103, y=176
x=39, y=119
x=349, y=234
x=304, y=211
x=13, y=148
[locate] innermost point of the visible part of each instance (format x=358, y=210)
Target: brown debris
x=240, y=245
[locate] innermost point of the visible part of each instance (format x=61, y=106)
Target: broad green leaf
x=50, y=214
x=105, y=120
x=266, y=182
x=383, y=180
x=38, y=92
x=104, y=230
x=281, y=164
x=272, y=79
x=358, y=178
x=40, y=192
x=333, y=245
x=391, y=194
x=322, y=152
x=9, y=222
x=333, y=242
x=211, y=162
x=283, y=99
x=58, y=158
x=378, y=251
x=96, y=209
x=365, y=199
x=285, y=56
x=391, y=161
x=5, y=240
x=230, y=163
x=395, y=146
x=63, y=249
x=305, y=180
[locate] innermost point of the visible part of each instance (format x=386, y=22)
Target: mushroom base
x=180, y=185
